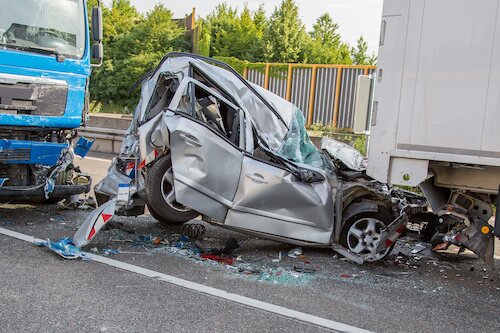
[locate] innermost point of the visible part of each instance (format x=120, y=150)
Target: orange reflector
x=485, y=230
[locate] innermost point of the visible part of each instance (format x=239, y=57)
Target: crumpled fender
x=357, y=208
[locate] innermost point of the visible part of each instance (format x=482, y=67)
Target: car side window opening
x=211, y=110
x=162, y=96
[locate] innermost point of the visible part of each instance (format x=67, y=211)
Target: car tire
x=157, y=186
x=349, y=234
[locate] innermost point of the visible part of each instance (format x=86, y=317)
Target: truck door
x=205, y=148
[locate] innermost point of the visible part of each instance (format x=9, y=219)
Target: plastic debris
x=83, y=146
x=230, y=245
x=156, y=241
x=345, y=275
x=107, y=252
x=295, y=252
x=222, y=259
x=63, y=247
x=279, y=258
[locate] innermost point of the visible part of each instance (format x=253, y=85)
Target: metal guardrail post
x=289, y=83
x=266, y=76
x=311, y=96
x=337, y=97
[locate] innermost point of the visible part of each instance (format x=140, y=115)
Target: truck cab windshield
x=42, y=25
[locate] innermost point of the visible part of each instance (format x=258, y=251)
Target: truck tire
x=360, y=232
x=158, y=185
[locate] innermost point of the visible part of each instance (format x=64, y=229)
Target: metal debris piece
x=75, y=202
x=295, y=252
x=193, y=230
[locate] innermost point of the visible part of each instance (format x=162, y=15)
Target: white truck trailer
x=436, y=112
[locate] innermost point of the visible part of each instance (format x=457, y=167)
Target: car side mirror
x=310, y=176
x=97, y=33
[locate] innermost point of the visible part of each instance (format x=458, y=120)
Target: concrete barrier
x=108, y=131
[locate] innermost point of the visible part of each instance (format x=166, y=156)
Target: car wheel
x=361, y=232
x=161, y=196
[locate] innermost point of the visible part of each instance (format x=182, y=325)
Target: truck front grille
x=39, y=99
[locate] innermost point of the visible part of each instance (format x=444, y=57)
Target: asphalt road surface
x=42, y=292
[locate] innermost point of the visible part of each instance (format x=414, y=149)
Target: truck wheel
x=161, y=197
x=361, y=232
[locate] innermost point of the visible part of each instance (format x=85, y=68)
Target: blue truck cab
x=45, y=64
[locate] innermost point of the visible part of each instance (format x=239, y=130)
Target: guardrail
x=324, y=93
x=109, y=140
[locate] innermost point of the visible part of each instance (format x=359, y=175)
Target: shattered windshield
x=41, y=25
x=297, y=146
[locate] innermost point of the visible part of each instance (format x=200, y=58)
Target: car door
x=272, y=200
x=206, y=163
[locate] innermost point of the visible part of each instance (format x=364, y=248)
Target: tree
x=131, y=51
x=360, y=53
x=325, y=45
x=285, y=36
x=222, y=24
x=325, y=31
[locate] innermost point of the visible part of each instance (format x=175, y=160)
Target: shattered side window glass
x=184, y=103
x=162, y=96
x=297, y=146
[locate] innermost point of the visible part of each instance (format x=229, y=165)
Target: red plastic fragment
x=224, y=260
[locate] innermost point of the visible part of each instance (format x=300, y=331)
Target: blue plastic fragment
x=2, y=181
x=63, y=247
x=83, y=146
x=107, y=252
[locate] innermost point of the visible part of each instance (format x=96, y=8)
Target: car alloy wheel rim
x=363, y=237
x=168, y=192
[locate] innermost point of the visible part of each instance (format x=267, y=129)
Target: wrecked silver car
x=204, y=141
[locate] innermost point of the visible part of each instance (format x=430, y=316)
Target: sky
x=355, y=17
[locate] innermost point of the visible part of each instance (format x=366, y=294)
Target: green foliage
x=360, y=53
x=360, y=144
x=285, y=36
x=134, y=43
x=237, y=64
x=233, y=35
x=324, y=45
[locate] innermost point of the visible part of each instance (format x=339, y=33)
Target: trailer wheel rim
x=168, y=192
x=363, y=237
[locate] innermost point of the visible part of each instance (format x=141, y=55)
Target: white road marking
x=254, y=303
